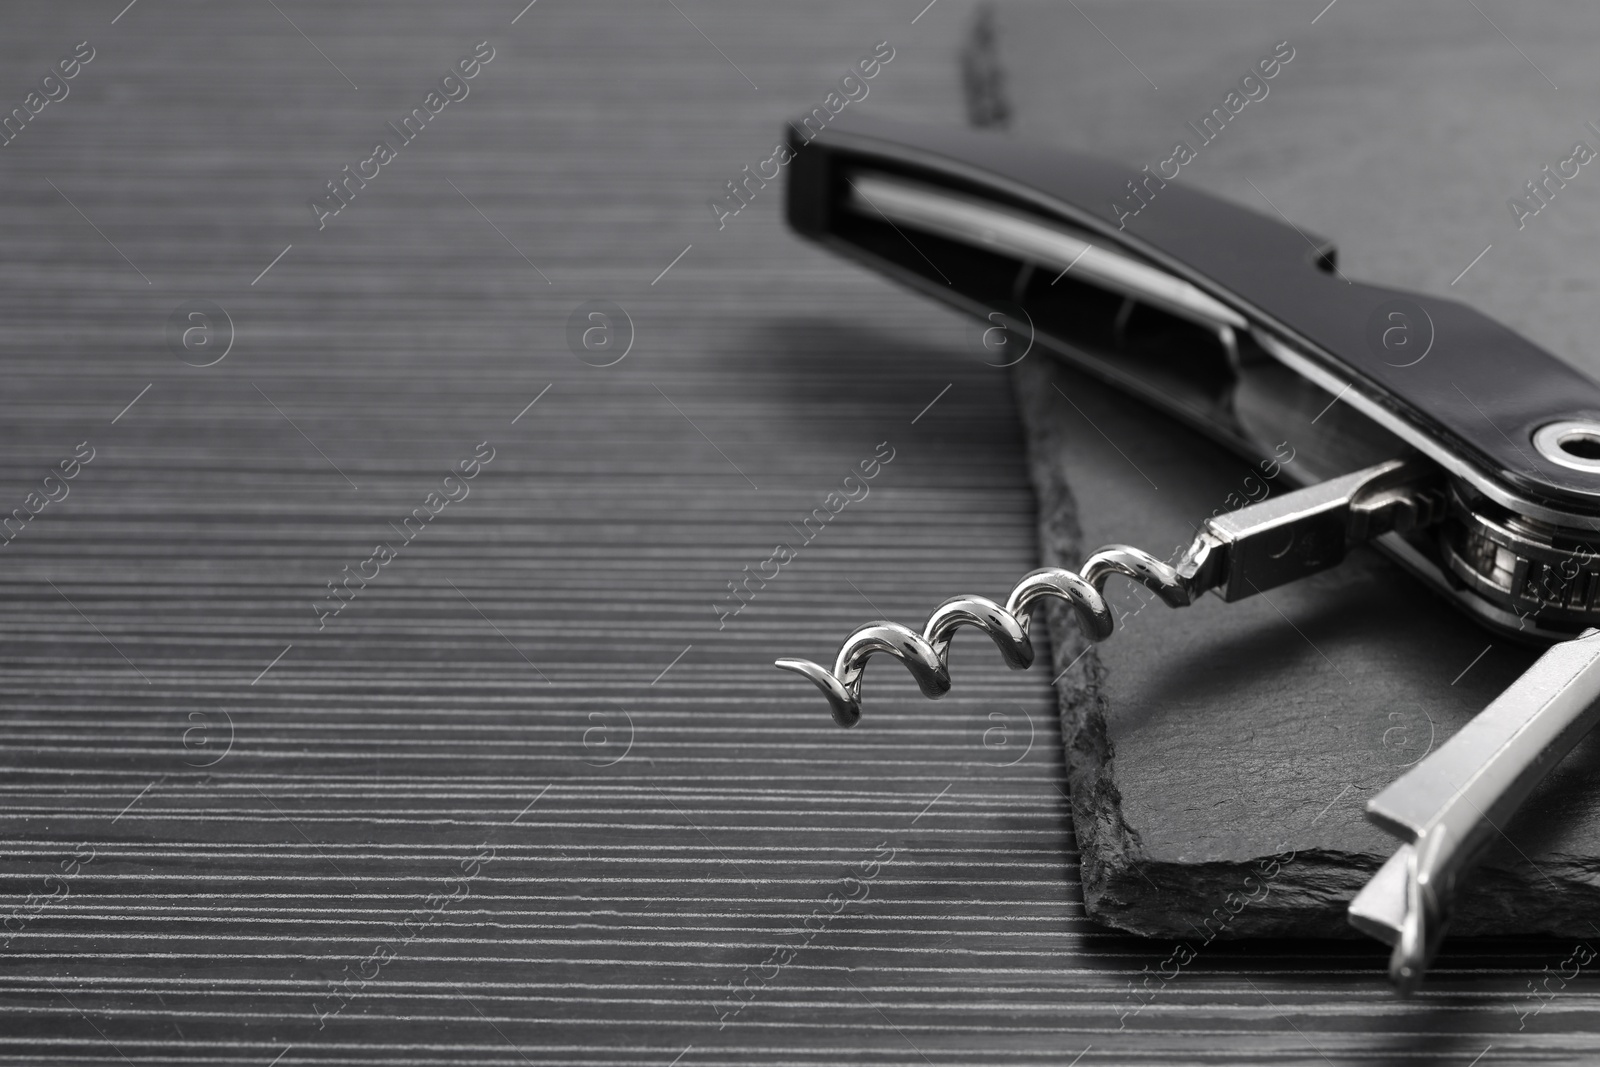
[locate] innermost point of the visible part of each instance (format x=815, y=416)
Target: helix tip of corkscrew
x=846, y=708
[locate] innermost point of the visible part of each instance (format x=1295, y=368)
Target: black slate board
x=1204, y=741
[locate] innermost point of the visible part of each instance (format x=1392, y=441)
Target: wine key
x=1460, y=449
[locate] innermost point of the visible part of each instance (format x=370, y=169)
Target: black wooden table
x=533, y=792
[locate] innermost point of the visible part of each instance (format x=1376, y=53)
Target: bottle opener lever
x=1451, y=806
x=1477, y=470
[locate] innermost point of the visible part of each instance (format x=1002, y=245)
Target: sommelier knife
x=1460, y=449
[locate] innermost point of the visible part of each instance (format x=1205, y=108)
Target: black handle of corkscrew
x=1179, y=296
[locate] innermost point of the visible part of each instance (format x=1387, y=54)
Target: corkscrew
x=1235, y=555
x=1477, y=470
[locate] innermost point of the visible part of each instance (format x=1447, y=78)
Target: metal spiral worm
x=927, y=655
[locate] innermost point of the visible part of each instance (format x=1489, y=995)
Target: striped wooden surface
x=523, y=797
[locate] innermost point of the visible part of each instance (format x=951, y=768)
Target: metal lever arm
x=1452, y=805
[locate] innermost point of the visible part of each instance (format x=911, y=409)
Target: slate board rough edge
x=1121, y=887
